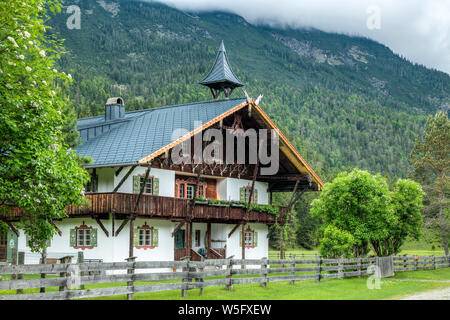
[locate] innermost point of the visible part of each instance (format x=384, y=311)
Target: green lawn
x=345, y=289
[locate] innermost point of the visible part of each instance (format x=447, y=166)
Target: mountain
x=344, y=101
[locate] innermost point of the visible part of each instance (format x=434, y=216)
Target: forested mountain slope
x=344, y=101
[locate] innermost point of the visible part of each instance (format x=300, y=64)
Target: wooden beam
x=243, y=243
x=250, y=197
x=289, y=177
x=57, y=229
x=124, y=178
x=118, y=171
x=102, y=227
x=13, y=229
x=136, y=205
x=233, y=230
x=293, y=195
x=121, y=226
x=178, y=227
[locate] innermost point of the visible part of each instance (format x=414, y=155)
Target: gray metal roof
x=221, y=71
x=141, y=133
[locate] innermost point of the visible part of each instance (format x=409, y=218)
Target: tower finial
x=221, y=77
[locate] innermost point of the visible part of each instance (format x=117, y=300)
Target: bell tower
x=221, y=77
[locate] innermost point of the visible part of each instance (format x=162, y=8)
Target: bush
x=336, y=243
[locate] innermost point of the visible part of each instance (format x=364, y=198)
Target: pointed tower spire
x=221, y=77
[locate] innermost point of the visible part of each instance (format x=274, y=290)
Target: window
x=245, y=194
x=83, y=237
x=190, y=191
x=248, y=238
x=148, y=186
x=185, y=188
x=145, y=237
x=197, y=238
x=91, y=185
x=3, y=241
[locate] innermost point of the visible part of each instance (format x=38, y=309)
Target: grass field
x=344, y=289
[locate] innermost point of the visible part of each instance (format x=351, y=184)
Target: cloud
x=419, y=30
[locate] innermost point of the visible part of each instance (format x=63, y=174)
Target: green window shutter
x=94, y=237
x=11, y=243
x=241, y=238
x=255, y=240
x=136, y=184
x=155, y=186
x=255, y=195
x=242, y=194
x=155, y=237
x=136, y=237
x=73, y=238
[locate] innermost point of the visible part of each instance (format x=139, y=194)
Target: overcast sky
x=416, y=29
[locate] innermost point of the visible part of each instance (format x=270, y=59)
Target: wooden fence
x=69, y=279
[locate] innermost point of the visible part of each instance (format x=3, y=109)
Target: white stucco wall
x=234, y=185
x=166, y=180
x=116, y=249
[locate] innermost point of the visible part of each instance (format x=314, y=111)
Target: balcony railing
x=101, y=204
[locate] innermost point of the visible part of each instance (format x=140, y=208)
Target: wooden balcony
x=122, y=204
x=101, y=204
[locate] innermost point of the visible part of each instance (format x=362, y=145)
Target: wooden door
x=3, y=247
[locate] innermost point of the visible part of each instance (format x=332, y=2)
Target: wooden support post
x=131, y=244
x=43, y=260
x=416, y=263
x=319, y=267
x=208, y=239
x=130, y=284
x=433, y=262
x=243, y=245
x=80, y=259
x=264, y=262
x=229, y=276
x=405, y=262
x=233, y=230
x=270, y=197
x=292, y=270
x=188, y=238
x=20, y=261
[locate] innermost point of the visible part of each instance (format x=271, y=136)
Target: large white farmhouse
x=145, y=204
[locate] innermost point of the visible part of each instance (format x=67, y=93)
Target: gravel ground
x=440, y=294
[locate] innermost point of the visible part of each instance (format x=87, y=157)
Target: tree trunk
x=441, y=217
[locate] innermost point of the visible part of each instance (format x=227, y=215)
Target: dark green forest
x=343, y=101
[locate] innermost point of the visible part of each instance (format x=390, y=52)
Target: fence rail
x=70, y=278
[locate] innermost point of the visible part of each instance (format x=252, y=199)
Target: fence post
x=20, y=261
x=229, y=285
x=43, y=258
x=319, y=266
x=359, y=267
x=130, y=284
x=433, y=260
x=341, y=268
x=264, y=272
x=200, y=279
x=14, y=261
x=80, y=259
x=292, y=270
x=186, y=279
x=416, y=263
x=66, y=274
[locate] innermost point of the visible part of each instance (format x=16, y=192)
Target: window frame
x=252, y=238
x=197, y=238
x=247, y=196
x=83, y=227
x=149, y=180
x=145, y=228
x=179, y=183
